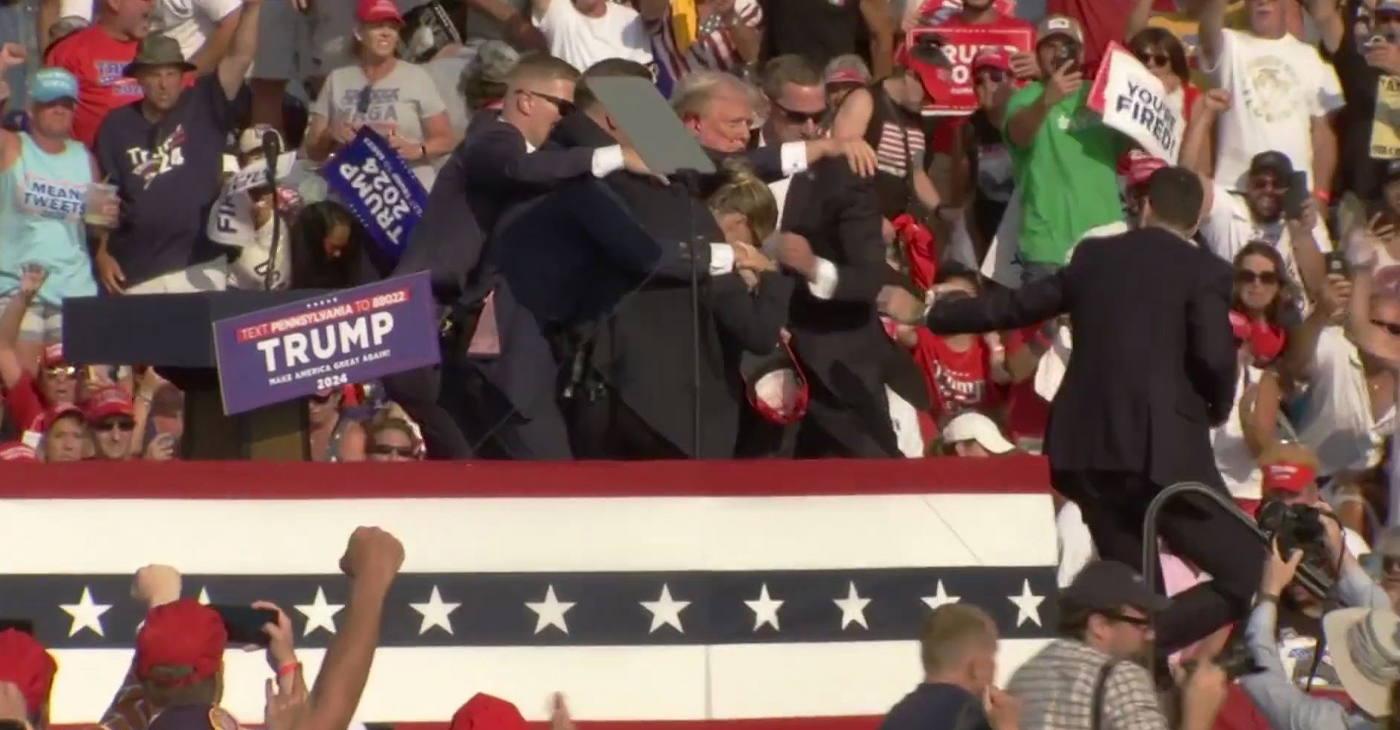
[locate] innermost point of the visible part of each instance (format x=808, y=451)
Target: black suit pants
x=1195, y=528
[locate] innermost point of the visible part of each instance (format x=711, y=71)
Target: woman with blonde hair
x=393, y=97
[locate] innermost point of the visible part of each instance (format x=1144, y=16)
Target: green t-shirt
x=1067, y=177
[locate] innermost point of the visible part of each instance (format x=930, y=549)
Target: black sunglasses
x=1245, y=276
x=123, y=424
x=563, y=105
x=362, y=101
x=1390, y=327
x=387, y=450
x=796, y=117
x=1154, y=60
x=1138, y=621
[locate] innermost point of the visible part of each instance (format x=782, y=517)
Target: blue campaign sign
x=350, y=336
x=377, y=186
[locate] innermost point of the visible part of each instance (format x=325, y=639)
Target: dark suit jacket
x=485, y=175
x=840, y=340
x=1153, y=364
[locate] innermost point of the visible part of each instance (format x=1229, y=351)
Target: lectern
x=174, y=333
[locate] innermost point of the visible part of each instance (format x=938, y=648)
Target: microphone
x=272, y=149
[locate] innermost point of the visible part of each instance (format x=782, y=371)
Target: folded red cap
x=1288, y=477
x=107, y=402
x=181, y=634
x=53, y=355
x=485, y=712
x=25, y=663
x=1266, y=341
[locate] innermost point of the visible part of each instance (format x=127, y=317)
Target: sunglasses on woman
x=1154, y=60
x=1246, y=276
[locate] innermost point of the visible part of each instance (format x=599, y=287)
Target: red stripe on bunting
x=247, y=480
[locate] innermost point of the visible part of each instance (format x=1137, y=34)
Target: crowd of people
x=592, y=308
x=591, y=311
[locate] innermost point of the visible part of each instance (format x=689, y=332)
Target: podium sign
x=323, y=342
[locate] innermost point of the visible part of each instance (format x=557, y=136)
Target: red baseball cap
x=1288, y=477
x=485, y=712
x=991, y=57
x=61, y=411
x=25, y=663
x=378, y=11
x=181, y=634
x=107, y=402
x=926, y=59
x=17, y=451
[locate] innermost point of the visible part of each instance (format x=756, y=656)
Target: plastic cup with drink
x=103, y=206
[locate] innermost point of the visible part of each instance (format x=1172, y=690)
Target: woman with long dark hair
x=1262, y=295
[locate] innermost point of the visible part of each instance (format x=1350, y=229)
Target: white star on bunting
x=1027, y=605
x=319, y=614
x=204, y=596
x=852, y=608
x=940, y=597
x=665, y=611
x=86, y=614
x=765, y=609
x=550, y=611
x=435, y=612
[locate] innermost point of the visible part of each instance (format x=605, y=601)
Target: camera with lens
x=1296, y=527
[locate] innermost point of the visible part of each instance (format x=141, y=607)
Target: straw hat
x=1365, y=648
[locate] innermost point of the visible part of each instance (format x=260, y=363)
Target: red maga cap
x=107, y=402
x=53, y=355
x=181, y=634
x=1288, y=477
x=25, y=663
x=485, y=712
x=378, y=11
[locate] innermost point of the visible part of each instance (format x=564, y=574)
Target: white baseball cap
x=973, y=426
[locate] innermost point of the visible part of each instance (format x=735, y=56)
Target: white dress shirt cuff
x=794, y=158
x=824, y=285
x=721, y=259
x=607, y=160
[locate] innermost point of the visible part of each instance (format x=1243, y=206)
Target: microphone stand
x=272, y=147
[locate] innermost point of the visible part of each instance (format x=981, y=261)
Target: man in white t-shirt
x=1235, y=220
x=584, y=32
x=1281, y=93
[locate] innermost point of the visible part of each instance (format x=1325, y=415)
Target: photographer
x=1094, y=674
x=1364, y=643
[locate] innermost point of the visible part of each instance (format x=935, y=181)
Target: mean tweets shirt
x=168, y=175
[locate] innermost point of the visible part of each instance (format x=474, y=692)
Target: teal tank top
x=41, y=220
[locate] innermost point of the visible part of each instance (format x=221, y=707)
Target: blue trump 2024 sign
x=378, y=188
x=351, y=336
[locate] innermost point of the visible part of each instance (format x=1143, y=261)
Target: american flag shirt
x=712, y=51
